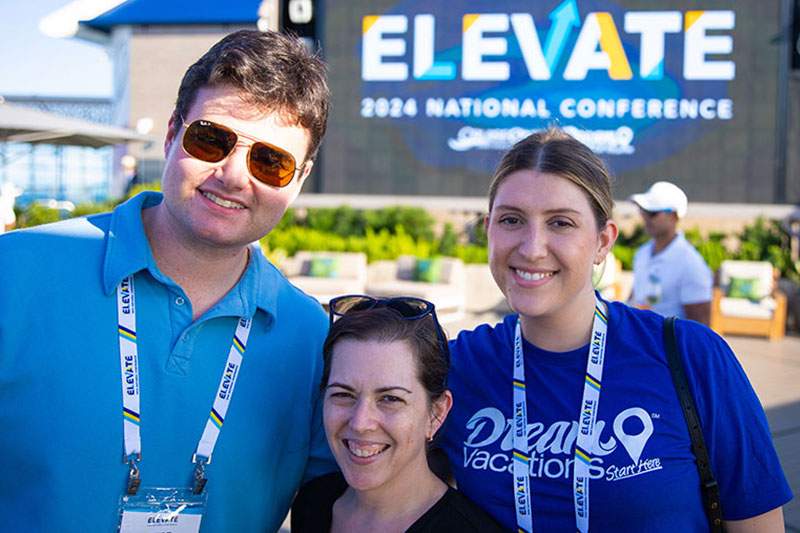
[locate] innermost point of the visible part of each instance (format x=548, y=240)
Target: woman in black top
x=385, y=397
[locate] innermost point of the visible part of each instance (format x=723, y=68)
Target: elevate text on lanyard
x=131, y=415
x=586, y=422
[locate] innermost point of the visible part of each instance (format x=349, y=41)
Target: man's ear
x=173, y=128
x=307, y=166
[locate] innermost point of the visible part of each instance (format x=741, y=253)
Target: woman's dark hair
x=383, y=324
x=274, y=72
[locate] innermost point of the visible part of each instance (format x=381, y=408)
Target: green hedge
x=37, y=214
x=377, y=245
x=350, y=222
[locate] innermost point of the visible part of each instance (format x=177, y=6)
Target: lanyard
x=131, y=394
x=586, y=423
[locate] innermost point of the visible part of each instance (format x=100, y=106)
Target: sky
x=33, y=64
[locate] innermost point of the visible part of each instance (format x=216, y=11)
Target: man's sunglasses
x=651, y=214
x=212, y=142
x=408, y=307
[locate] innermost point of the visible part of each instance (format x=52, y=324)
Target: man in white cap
x=669, y=275
x=8, y=194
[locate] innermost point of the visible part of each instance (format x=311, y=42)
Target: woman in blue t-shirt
x=565, y=415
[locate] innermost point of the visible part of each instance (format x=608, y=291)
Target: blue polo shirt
x=61, y=443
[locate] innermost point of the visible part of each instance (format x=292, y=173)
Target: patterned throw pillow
x=428, y=270
x=324, y=267
x=744, y=288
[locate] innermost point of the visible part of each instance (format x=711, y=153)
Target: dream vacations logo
x=488, y=445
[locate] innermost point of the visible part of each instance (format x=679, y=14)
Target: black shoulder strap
x=708, y=484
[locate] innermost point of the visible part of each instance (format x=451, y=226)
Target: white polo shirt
x=7, y=215
x=672, y=278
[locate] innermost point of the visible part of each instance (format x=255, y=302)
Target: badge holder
x=166, y=509
x=161, y=509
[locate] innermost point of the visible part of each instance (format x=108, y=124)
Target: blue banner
x=464, y=78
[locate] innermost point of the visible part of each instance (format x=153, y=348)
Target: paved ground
x=774, y=371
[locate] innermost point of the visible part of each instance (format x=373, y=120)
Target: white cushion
x=452, y=269
x=442, y=296
x=323, y=289
x=761, y=270
x=351, y=265
x=744, y=308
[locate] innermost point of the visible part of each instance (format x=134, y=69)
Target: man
x=127, y=336
x=130, y=173
x=8, y=195
x=669, y=275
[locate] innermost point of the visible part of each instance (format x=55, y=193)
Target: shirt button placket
x=180, y=357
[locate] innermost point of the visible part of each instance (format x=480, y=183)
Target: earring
x=599, y=260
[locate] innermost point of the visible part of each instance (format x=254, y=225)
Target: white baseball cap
x=663, y=196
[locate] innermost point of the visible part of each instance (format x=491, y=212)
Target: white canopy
x=24, y=125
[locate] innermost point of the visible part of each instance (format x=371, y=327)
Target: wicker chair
x=762, y=313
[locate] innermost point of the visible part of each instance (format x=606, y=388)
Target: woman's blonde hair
x=553, y=151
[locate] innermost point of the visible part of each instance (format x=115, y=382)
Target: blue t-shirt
x=644, y=477
x=61, y=444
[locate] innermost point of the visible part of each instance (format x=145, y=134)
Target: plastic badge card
x=162, y=510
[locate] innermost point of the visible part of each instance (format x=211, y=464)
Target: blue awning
x=177, y=12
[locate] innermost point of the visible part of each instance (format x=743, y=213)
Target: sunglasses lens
x=212, y=143
x=342, y=306
x=208, y=141
x=409, y=307
x=271, y=165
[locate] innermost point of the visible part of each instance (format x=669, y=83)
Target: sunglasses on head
x=212, y=142
x=409, y=307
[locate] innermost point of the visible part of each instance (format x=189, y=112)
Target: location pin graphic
x=634, y=444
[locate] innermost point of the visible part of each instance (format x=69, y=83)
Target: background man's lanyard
x=131, y=416
x=586, y=423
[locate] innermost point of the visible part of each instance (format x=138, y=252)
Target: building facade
x=427, y=94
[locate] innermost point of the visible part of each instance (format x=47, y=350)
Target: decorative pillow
x=744, y=288
x=428, y=270
x=324, y=267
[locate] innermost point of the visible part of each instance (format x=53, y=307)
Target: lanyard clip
x=200, y=479
x=133, y=474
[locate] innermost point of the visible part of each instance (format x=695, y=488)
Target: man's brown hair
x=274, y=72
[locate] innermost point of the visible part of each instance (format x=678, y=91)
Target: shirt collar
x=128, y=252
x=679, y=236
x=258, y=287
x=676, y=241
x=127, y=249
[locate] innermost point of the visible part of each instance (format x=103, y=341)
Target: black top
x=312, y=511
